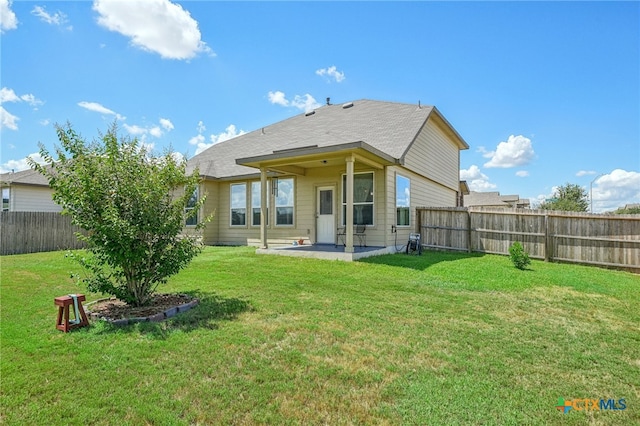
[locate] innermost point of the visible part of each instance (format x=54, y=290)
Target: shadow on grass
x=419, y=262
x=207, y=314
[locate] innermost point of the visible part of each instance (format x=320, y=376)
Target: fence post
x=547, y=239
x=468, y=231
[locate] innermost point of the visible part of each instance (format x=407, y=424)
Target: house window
x=284, y=202
x=191, y=204
x=5, y=199
x=238, y=204
x=255, y=204
x=362, y=199
x=403, y=201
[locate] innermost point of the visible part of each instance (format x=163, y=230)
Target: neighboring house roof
x=494, y=199
x=24, y=177
x=386, y=129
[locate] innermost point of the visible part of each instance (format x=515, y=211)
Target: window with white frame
x=362, y=198
x=285, y=201
x=191, y=204
x=5, y=199
x=256, y=202
x=238, y=204
x=403, y=201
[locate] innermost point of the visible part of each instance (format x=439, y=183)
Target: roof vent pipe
x=328, y=101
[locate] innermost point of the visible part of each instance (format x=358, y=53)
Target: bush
x=518, y=256
x=133, y=205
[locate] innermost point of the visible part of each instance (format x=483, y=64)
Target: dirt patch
x=114, y=309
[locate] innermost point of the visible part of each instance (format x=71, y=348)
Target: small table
x=65, y=304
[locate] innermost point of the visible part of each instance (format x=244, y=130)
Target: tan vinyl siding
x=25, y=198
x=248, y=234
x=435, y=156
x=211, y=190
x=423, y=193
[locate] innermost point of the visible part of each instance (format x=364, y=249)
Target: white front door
x=325, y=222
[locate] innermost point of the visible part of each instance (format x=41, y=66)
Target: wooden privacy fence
x=33, y=232
x=603, y=240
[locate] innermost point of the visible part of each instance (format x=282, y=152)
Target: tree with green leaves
x=131, y=204
x=628, y=210
x=569, y=197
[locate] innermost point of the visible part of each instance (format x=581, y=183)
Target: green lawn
x=440, y=339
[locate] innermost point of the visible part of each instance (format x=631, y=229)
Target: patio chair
x=358, y=232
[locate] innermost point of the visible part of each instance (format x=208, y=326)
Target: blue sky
x=545, y=93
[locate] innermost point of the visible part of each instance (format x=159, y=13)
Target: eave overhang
x=297, y=160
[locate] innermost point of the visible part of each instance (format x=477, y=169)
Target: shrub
x=132, y=204
x=518, y=256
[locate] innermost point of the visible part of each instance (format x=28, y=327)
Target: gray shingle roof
x=24, y=177
x=386, y=126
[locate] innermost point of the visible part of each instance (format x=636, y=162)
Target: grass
x=438, y=339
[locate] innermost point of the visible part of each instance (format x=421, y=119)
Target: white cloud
x=522, y=173
x=57, y=18
x=278, y=98
x=31, y=100
x=305, y=102
x=166, y=124
x=616, y=189
x=197, y=140
x=135, y=130
x=8, y=95
x=331, y=72
x=96, y=107
x=476, y=180
x=8, y=120
x=155, y=131
x=585, y=173
x=229, y=133
x=8, y=20
x=154, y=25
x=19, y=165
x=516, y=151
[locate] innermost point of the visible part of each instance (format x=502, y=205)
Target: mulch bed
x=162, y=306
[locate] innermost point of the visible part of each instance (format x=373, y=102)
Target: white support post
x=264, y=191
x=349, y=216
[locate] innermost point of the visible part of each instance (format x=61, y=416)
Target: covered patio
x=299, y=162
x=326, y=251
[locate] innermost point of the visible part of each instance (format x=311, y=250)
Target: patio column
x=349, y=216
x=263, y=208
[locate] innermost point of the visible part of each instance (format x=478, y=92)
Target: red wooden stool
x=65, y=304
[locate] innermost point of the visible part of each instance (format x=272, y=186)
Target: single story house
x=329, y=173
x=27, y=191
